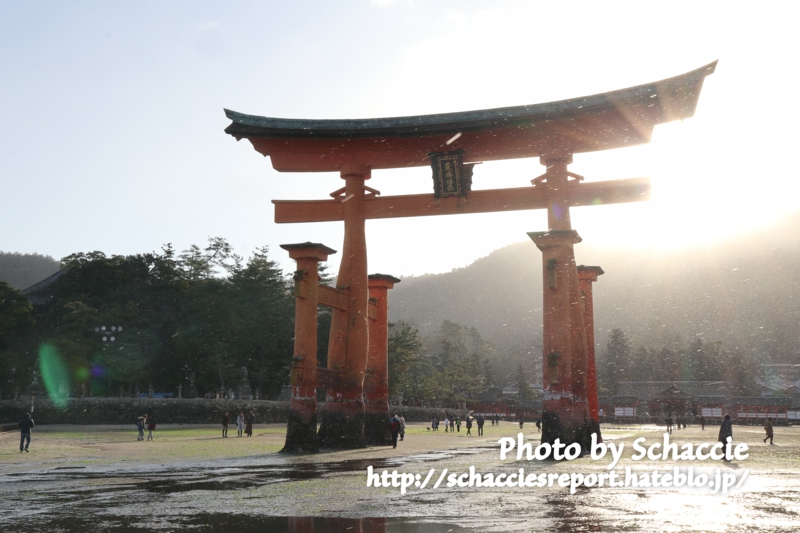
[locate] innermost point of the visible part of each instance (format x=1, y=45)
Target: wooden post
x=376, y=385
x=343, y=421
x=301, y=432
x=565, y=410
x=588, y=275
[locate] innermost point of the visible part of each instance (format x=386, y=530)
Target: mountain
x=744, y=292
x=23, y=270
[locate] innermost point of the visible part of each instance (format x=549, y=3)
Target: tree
x=451, y=345
x=404, y=352
x=488, y=374
x=641, y=368
x=704, y=360
x=457, y=357
x=16, y=323
x=199, y=264
x=740, y=372
x=525, y=392
x=16, y=314
x=616, y=360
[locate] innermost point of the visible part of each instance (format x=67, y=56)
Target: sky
x=112, y=133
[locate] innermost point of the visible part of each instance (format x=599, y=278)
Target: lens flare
x=54, y=374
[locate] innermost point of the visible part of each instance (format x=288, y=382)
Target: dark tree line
x=453, y=366
x=205, y=308
x=697, y=360
x=207, y=311
x=211, y=312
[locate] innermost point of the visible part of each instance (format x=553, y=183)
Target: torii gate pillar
x=348, y=347
x=588, y=275
x=301, y=432
x=376, y=384
x=565, y=409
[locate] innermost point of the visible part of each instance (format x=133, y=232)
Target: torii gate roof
x=599, y=122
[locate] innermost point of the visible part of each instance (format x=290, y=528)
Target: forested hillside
x=743, y=293
x=23, y=270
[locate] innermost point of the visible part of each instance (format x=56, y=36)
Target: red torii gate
x=451, y=143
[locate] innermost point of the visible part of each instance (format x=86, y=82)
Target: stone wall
x=173, y=411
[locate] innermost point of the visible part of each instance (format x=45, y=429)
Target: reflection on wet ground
x=261, y=493
x=248, y=524
x=219, y=475
x=83, y=499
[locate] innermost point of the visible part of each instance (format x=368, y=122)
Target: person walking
x=402, y=420
x=521, y=422
x=538, y=425
x=248, y=429
x=480, y=422
x=725, y=431
x=25, y=426
x=458, y=424
x=140, y=427
x=469, y=425
x=240, y=424
x=446, y=424
x=669, y=423
x=394, y=425
x=768, y=429
x=452, y=425
x=225, y=420
x=702, y=423
x=151, y=427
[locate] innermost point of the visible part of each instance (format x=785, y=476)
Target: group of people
x=726, y=430
x=397, y=425
x=244, y=424
x=146, y=422
x=679, y=421
x=479, y=421
x=538, y=423
x=453, y=424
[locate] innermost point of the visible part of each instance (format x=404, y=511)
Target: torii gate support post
x=376, y=385
x=588, y=275
x=565, y=410
x=348, y=348
x=301, y=432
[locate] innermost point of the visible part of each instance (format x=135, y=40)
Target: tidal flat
x=100, y=478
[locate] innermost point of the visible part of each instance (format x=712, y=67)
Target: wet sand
x=99, y=478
